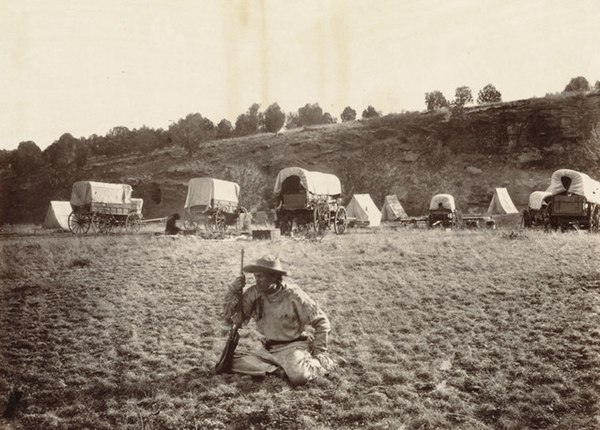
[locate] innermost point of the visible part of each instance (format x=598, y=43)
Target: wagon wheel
x=320, y=218
x=340, y=220
x=133, y=222
x=79, y=223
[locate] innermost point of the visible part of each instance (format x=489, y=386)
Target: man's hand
x=238, y=284
x=326, y=362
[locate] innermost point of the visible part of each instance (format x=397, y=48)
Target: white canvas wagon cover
x=581, y=184
x=206, y=191
x=446, y=200
x=314, y=182
x=537, y=198
x=87, y=192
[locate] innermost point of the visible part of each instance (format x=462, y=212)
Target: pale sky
x=86, y=66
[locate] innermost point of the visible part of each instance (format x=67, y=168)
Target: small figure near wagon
x=281, y=311
x=171, y=226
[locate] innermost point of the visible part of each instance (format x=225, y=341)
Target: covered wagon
x=213, y=202
x=103, y=206
x=536, y=214
x=442, y=211
x=574, y=201
x=307, y=200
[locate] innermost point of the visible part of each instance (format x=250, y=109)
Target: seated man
x=281, y=312
x=171, y=227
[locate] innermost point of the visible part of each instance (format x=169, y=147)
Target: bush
x=579, y=84
x=274, y=118
x=489, y=94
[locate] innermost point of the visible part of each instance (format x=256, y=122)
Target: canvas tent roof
x=205, y=191
x=502, y=203
x=446, y=200
x=57, y=215
x=581, y=184
x=537, y=198
x=363, y=208
x=313, y=182
x=392, y=209
x=86, y=192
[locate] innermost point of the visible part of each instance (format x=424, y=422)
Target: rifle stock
x=225, y=362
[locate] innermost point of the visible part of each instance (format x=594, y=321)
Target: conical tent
x=502, y=203
x=392, y=209
x=57, y=215
x=363, y=209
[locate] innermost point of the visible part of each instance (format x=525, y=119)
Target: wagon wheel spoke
x=220, y=221
x=133, y=222
x=79, y=223
x=340, y=220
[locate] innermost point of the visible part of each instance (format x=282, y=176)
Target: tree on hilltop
x=224, y=129
x=435, y=100
x=489, y=94
x=249, y=122
x=273, y=118
x=579, y=84
x=27, y=157
x=348, y=114
x=597, y=85
x=310, y=114
x=370, y=112
x=462, y=96
x=188, y=132
x=65, y=151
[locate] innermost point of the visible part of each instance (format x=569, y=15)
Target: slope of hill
x=515, y=145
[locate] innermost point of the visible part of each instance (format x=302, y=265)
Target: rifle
x=226, y=360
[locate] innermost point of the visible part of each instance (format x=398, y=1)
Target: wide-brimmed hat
x=268, y=263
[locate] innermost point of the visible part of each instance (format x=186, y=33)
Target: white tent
x=578, y=183
x=363, y=209
x=392, y=209
x=502, y=203
x=57, y=215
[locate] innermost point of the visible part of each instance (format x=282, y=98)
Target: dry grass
x=432, y=329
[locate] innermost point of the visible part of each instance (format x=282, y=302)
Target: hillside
x=414, y=155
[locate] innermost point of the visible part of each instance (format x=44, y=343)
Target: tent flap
x=502, y=203
x=57, y=215
x=392, y=209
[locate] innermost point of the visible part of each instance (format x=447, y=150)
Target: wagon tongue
x=566, y=182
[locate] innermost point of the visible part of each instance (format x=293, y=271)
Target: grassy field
x=432, y=330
